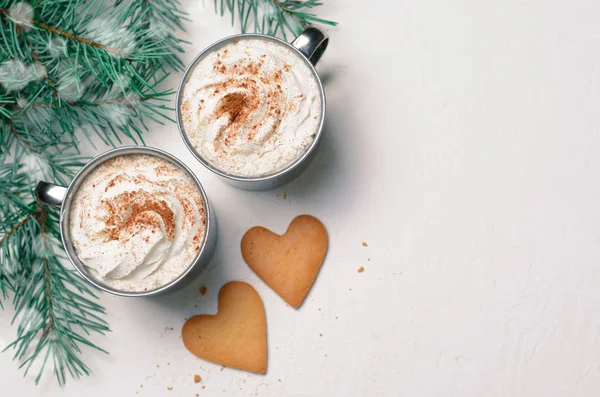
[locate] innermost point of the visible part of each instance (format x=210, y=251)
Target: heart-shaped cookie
x=236, y=336
x=288, y=263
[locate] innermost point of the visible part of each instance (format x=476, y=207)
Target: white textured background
x=461, y=143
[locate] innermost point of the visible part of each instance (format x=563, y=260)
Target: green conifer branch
x=272, y=17
x=68, y=69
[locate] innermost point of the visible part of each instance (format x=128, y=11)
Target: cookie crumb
x=284, y=195
x=361, y=269
x=170, y=388
x=157, y=366
x=141, y=385
x=203, y=290
x=197, y=378
x=279, y=380
x=204, y=387
x=336, y=317
x=364, y=244
x=168, y=363
x=222, y=368
x=320, y=334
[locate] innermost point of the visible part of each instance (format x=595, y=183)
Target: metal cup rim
x=238, y=178
x=72, y=190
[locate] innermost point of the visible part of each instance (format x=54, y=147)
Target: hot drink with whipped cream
x=251, y=108
x=137, y=222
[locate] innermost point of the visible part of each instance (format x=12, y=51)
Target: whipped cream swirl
x=137, y=222
x=251, y=108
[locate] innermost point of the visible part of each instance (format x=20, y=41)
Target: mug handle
x=312, y=43
x=50, y=194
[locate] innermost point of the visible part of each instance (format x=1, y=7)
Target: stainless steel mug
x=62, y=197
x=310, y=46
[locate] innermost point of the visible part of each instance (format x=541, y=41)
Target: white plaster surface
x=462, y=145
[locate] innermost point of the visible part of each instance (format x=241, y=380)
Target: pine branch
x=45, y=74
x=15, y=228
x=48, y=306
x=71, y=31
x=69, y=69
x=56, y=31
x=74, y=75
x=5, y=100
x=162, y=18
x=76, y=38
x=45, y=293
x=272, y=17
x=17, y=134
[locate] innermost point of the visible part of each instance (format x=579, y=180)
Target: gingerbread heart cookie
x=236, y=336
x=288, y=263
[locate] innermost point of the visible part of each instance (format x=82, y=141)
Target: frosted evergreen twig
x=272, y=17
x=68, y=69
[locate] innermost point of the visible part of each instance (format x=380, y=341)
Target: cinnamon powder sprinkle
x=142, y=208
x=233, y=104
x=164, y=170
x=129, y=213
